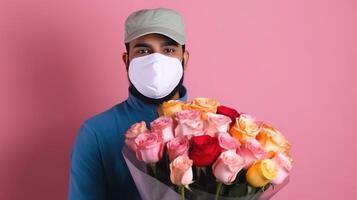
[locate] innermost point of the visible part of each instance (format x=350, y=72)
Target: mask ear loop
x=127, y=61
x=183, y=63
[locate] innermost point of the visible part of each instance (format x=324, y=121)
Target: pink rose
x=251, y=151
x=227, y=166
x=284, y=167
x=181, y=171
x=149, y=147
x=163, y=126
x=134, y=130
x=227, y=142
x=216, y=123
x=189, y=123
x=177, y=147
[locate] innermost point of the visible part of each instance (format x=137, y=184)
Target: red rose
x=205, y=150
x=229, y=112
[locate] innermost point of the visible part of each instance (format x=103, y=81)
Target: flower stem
x=204, y=170
x=153, y=168
x=218, y=191
x=167, y=163
x=198, y=170
x=182, y=192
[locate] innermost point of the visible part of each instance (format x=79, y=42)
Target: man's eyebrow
x=169, y=43
x=142, y=45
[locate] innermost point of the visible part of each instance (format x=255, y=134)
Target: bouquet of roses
x=203, y=150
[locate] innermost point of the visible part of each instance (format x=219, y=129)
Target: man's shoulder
x=106, y=120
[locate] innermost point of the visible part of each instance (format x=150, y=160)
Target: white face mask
x=155, y=75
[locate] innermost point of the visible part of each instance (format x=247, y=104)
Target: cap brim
x=179, y=38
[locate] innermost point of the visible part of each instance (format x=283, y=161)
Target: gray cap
x=159, y=20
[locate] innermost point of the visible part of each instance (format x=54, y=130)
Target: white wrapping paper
x=153, y=189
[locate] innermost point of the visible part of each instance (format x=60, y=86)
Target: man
x=155, y=61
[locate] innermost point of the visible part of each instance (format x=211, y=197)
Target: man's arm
x=87, y=180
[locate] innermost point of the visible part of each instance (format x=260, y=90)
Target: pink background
x=291, y=63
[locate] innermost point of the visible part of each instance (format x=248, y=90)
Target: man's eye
x=169, y=50
x=143, y=51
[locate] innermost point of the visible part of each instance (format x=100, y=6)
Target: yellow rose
x=273, y=141
x=203, y=104
x=245, y=128
x=169, y=108
x=262, y=172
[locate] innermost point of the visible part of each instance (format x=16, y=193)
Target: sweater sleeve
x=87, y=178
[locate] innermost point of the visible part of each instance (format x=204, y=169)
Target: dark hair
x=127, y=46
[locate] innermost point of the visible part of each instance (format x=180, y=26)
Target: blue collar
x=142, y=106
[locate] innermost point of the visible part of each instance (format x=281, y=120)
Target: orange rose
x=273, y=141
x=262, y=172
x=203, y=104
x=245, y=127
x=133, y=132
x=169, y=108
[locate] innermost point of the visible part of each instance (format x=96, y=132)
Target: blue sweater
x=98, y=170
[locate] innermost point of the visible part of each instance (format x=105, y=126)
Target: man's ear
x=125, y=58
x=186, y=56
